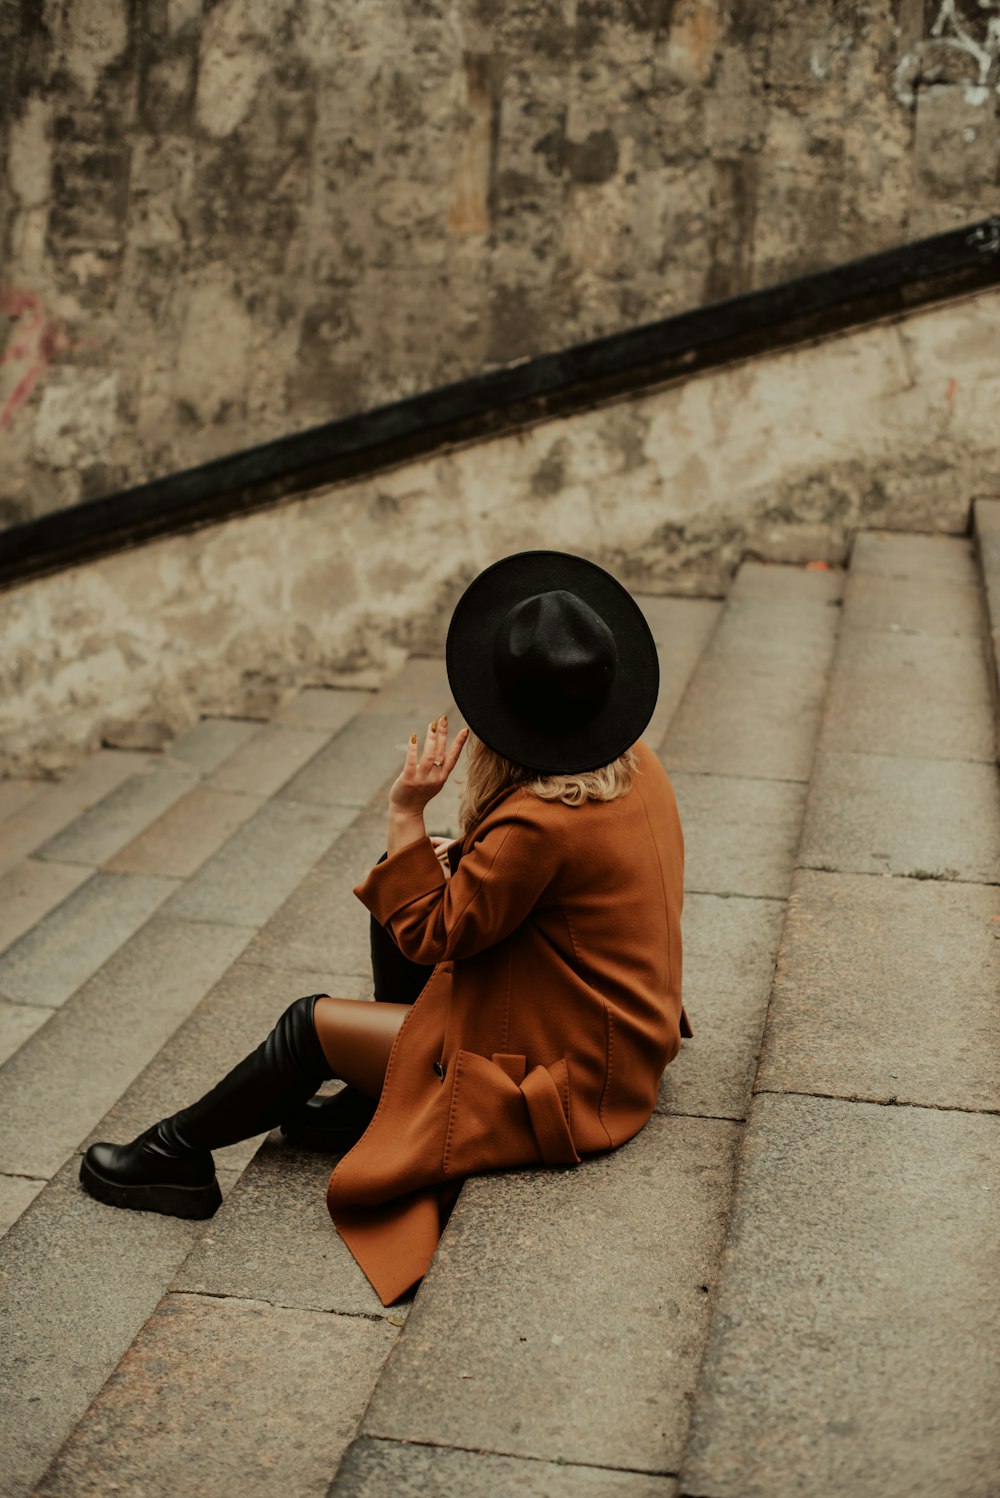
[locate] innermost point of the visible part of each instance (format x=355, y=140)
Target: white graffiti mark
x=950, y=34
x=986, y=237
x=834, y=39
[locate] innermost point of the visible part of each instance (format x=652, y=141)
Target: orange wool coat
x=552, y=1010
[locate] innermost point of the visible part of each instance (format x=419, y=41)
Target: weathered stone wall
x=223, y=220
x=781, y=456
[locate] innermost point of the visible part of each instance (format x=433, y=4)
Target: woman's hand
x=441, y=846
x=421, y=778
x=425, y=773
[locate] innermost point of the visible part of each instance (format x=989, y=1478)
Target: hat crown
x=552, y=663
x=555, y=659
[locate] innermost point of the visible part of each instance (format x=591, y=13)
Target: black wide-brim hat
x=551, y=662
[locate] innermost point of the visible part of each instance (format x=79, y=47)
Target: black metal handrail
x=860, y=291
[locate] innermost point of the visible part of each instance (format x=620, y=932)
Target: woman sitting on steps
x=541, y=969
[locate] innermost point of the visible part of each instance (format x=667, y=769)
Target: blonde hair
x=488, y=773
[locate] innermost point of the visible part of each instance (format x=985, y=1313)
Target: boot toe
x=123, y=1175
x=104, y=1158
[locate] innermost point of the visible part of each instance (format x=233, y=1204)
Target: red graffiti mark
x=36, y=341
x=951, y=392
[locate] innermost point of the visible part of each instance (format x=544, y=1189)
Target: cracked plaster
x=781, y=457
x=388, y=199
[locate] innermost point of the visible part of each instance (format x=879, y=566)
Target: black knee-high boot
x=169, y=1168
x=333, y=1125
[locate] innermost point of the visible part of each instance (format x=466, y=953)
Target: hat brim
x=469, y=654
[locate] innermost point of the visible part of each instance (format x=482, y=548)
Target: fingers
x=432, y=763
x=451, y=758
x=435, y=746
x=448, y=757
x=426, y=768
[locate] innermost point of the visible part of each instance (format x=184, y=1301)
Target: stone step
x=202, y=1376
x=33, y=818
x=574, y=1305
x=375, y=1469
x=165, y=821
x=102, y=931
x=853, y=1345
x=274, y=754
x=30, y=890
x=211, y=743
x=753, y=710
x=269, y=1274
x=270, y=1256
x=65, y=948
x=245, y=882
x=369, y=749
x=168, y=1010
x=233, y=756
x=83, y=1278
x=72, y=1069
x=113, y=822
x=268, y=1282
x=77, y=1287
x=857, y=1301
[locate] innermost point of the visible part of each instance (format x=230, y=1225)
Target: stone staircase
x=784, y=1285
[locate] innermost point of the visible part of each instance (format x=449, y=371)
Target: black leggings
x=397, y=979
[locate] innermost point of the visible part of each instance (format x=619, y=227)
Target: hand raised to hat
x=424, y=773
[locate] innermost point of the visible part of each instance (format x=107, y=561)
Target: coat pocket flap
x=488, y=1126
x=546, y=1092
x=512, y=1066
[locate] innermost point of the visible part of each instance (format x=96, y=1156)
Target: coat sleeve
x=497, y=884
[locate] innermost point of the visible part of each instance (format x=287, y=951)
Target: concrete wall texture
x=224, y=220
x=780, y=456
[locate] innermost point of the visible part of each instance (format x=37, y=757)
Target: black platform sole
x=317, y=1140
x=329, y=1125
x=173, y=1201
